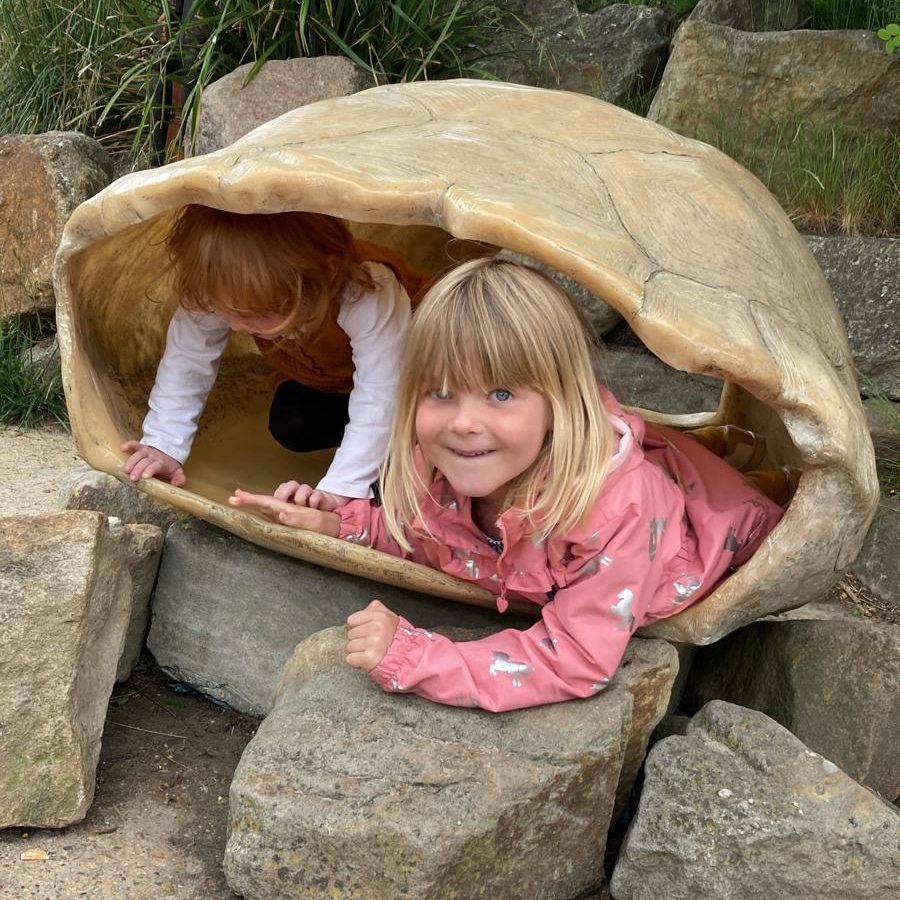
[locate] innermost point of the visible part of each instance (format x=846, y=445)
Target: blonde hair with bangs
x=492, y=323
x=293, y=264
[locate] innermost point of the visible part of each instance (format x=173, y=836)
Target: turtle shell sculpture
x=686, y=244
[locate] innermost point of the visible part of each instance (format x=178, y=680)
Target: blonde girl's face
x=482, y=440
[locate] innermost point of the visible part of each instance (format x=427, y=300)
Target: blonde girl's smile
x=482, y=440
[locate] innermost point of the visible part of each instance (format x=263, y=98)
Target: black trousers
x=303, y=419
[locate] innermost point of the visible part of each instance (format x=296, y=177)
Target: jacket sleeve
x=363, y=523
x=184, y=378
x=376, y=324
x=573, y=651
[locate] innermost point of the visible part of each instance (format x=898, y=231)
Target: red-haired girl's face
x=265, y=326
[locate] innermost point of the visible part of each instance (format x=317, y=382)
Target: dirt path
x=156, y=829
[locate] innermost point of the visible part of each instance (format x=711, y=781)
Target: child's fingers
x=367, y=644
x=294, y=492
x=285, y=492
x=363, y=660
x=263, y=501
x=363, y=616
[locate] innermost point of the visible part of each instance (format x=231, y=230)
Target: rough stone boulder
x=615, y=53
x=65, y=603
x=349, y=791
x=740, y=809
x=721, y=77
x=835, y=683
x=753, y=15
x=145, y=548
x=43, y=177
x=86, y=488
x=863, y=273
x=236, y=103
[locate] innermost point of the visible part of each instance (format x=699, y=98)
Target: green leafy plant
x=890, y=34
x=30, y=388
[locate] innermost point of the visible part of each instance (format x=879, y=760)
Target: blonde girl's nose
x=466, y=415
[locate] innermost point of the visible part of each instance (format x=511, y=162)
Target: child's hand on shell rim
x=369, y=634
x=304, y=495
x=148, y=462
x=284, y=513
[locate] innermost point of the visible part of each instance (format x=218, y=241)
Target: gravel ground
x=156, y=829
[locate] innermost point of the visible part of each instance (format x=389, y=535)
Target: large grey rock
x=227, y=614
x=878, y=563
x=85, y=488
x=863, y=273
x=751, y=84
x=834, y=683
x=65, y=602
x=753, y=15
x=638, y=378
x=348, y=791
x=615, y=53
x=232, y=105
x=145, y=546
x=43, y=177
x=740, y=809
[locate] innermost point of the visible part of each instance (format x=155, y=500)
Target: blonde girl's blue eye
x=501, y=395
x=439, y=394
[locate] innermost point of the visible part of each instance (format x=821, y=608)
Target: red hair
x=294, y=264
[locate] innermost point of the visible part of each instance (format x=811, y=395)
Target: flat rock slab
x=227, y=614
x=348, y=791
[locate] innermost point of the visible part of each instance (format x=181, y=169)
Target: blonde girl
x=327, y=312
x=508, y=466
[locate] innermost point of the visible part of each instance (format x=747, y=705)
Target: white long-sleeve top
x=375, y=321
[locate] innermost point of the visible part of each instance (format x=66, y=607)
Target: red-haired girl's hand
x=304, y=517
x=304, y=495
x=369, y=634
x=148, y=462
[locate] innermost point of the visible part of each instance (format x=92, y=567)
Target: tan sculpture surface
x=687, y=245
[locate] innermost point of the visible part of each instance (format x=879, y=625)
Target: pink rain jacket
x=670, y=521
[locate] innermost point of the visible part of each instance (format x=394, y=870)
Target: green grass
x=888, y=467
x=60, y=62
x=826, y=15
x=99, y=66
x=30, y=392
x=828, y=179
